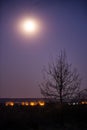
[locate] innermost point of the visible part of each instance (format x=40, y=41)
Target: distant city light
x=41, y=103
x=25, y=103
x=9, y=104
x=33, y=103
x=84, y=102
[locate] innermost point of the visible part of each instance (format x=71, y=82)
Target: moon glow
x=29, y=26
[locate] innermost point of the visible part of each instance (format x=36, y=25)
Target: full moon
x=29, y=26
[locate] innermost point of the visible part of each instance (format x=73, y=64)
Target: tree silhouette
x=60, y=81
x=82, y=95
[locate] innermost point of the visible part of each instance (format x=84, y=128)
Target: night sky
x=62, y=24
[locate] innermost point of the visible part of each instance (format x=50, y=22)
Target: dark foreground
x=49, y=117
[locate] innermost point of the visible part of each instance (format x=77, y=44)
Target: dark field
x=49, y=117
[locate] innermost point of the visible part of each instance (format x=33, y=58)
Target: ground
x=49, y=117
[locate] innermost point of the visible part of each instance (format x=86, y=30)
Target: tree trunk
x=61, y=110
x=61, y=101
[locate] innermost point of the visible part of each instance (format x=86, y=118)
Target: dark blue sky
x=63, y=26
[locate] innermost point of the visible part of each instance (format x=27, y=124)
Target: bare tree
x=82, y=95
x=61, y=82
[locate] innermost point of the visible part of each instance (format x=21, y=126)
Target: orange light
x=83, y=102
x=33, y=103
x=9, y=104
x=6, y=104
x=24, y=103
x=41, y=103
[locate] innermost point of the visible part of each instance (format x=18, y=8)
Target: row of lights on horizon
x=40, y=103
